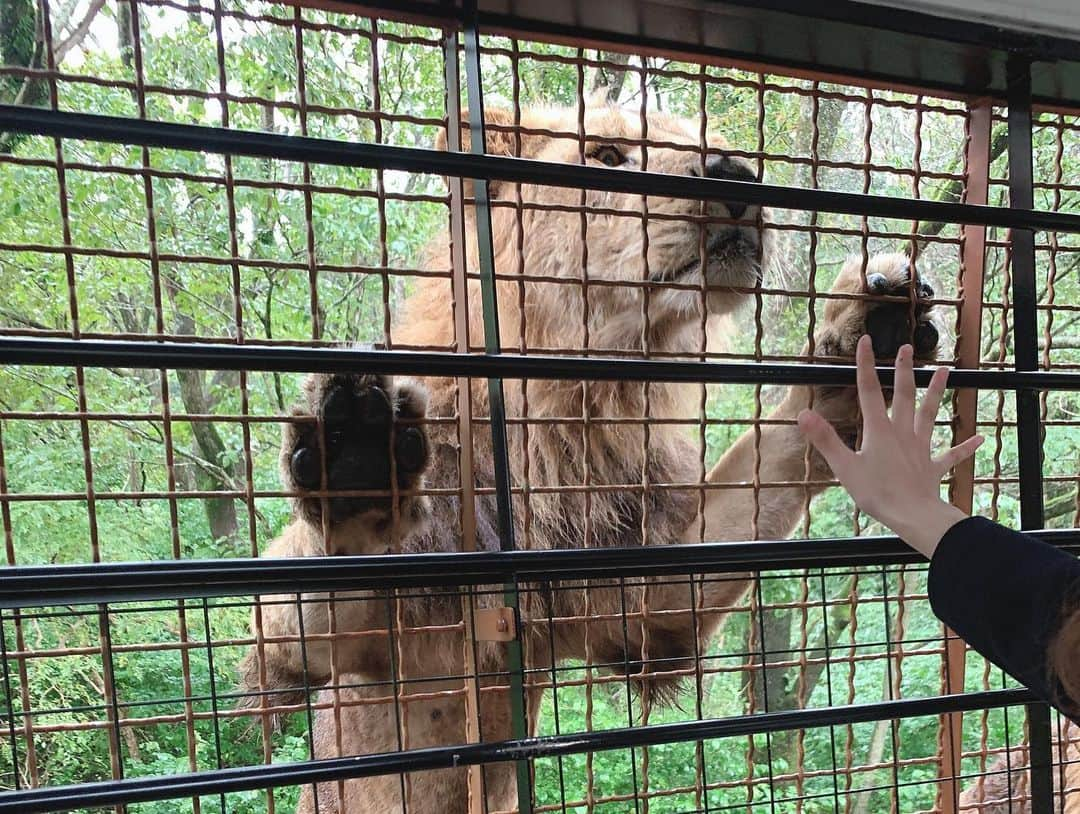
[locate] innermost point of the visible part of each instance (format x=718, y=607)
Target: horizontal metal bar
x=121, y=130
x=831, y=41
x=284, y=358
x=95, y=583
x=224, y=781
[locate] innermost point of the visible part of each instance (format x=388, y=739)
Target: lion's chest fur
x=577, y=484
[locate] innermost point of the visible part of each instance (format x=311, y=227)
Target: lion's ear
x=502, y=135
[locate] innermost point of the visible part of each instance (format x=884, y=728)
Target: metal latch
x=494, y=624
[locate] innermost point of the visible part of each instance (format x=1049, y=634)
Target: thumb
x=822, y=435
x=961, y=452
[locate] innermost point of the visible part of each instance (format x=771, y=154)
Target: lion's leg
x=430, y=714
x=369, y=721
x=777, y=452
x=296, y=653
x=362, y=434
x=648, y=631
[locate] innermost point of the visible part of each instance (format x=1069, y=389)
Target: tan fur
x=655, y=647
x=1006, y=787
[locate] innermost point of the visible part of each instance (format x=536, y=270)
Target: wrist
x=923, y=526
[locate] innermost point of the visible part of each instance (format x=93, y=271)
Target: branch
x=211, y=469
x=953, y=191
x=78, y=34
x=25, y=321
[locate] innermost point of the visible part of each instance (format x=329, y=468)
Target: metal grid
x=830, y=670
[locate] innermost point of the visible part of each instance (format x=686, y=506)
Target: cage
x=398, y=400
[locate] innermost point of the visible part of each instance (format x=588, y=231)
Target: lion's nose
x=726, y=168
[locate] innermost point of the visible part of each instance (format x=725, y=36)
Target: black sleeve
x=1003, y=592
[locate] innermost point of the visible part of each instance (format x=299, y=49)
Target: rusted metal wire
x=796, y=641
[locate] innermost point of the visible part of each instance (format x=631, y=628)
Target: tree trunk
x=124, y=35
x=21, y=43
x=218, y=476
x=829, y=113
x=220, y=511
x=612, y=79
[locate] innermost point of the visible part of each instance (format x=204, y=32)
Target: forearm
x=775, y=453
x=1004, y=592
x=294, y=646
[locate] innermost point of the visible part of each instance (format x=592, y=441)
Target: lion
x=397, y=683
x=1005, y=786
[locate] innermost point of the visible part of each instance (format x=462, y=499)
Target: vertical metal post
x=1026, y=353
x=496, y=402
x=968, y=353
x=460, y=287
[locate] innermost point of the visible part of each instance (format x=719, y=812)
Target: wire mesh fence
x=269, y=295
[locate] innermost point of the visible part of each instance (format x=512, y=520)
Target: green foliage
x=193, y=282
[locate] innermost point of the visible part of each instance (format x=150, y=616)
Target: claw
x=306, y=468
x=877, y=283
x=409, y=449
x=926, y=338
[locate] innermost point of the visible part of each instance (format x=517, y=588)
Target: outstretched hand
x=894, y=477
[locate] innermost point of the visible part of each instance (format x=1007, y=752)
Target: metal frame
x=968, y=61
x=886, y=46
x=215, y=356
x=34, y=586
x=115, y=792
x=1028, y=425
x=143, y=133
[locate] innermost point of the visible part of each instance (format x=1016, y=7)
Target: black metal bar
x=1028, y=414
x=119, y=130
x=490, y=302
x=137, y=790
x=952, y=29
x=284, y=359
x=895, y=18
x=832, y=39
x=496, y=401
x=13, y=741
x=91, y=583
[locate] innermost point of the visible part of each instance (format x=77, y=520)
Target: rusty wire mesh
x=130, y=243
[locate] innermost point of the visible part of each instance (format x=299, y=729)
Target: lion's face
x=685, y=252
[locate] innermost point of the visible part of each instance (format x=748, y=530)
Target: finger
x=871, y=402
x=931, y=403
x=822, y=435
x=903, y=404
x=961, y=452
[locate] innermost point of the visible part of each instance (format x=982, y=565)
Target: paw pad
x=893, y=324
x=366, y=435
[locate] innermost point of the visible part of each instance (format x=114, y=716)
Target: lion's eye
x=609, y=155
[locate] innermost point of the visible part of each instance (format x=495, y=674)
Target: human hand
x=893, y=477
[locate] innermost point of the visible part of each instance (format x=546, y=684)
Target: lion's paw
x=368, y=434
x=905, y=318
x=888, y=305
